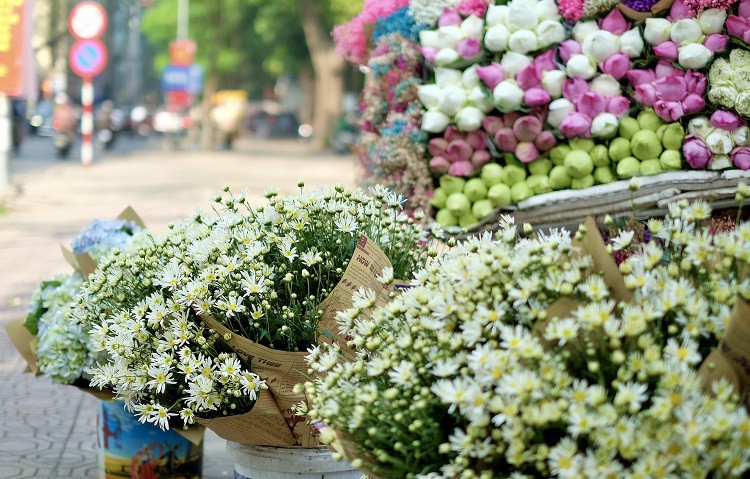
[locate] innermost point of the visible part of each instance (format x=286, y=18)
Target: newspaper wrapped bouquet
x=534, y=356
x=210, y=325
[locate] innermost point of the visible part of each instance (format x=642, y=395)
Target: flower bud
x=491, y=125
x=545, y=141
x=558, y=110
x=575, y=125
x=581, y=66
x=720, y=142
x=616, y=65
x=439, y=165
x=458, y=150
x=673, y=136
x=567, y=49
x=452, y=99
x=553, y=81
x=527, y=128
x=536, y=97
x=521, y=15
x=657, y=30
x=712, y=20
x=428, y=38
x=448, y=18
x=446, y=56
x=547, y=10
x=496, y=14
x=445, y=77
x=467, y=48
x=481, y=100
x=696, y=152
x=600, y=45
x=523, y=41
x=631, y=43
x=429, y=95
x=437, y=146
x=506, y=140
x=448, y=37
x=606, y=85
x=461, y=168
x=480, y=158
x=508, y=96
x=667, y=51
x=472, y=27
x=741, y=157
x=434, y=121
x=581, y=30
x=604, y=126
x=496, y=38
x=513, y=63
x=550, y=32
x=700, y=127
x=716, y=42
x=741, y=136
x=491, y=74
x=726, y=120
x=469, y=118
x=526, y=152
x=694, y=56
x=685, y=31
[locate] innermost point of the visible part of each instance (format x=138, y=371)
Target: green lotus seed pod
x=674, y=135
x=520, y=191
x=499, y=195
x=513, y=174
x=645, y=145
x=452, y=184
x=649, y=120
x=582, y=144
x=628, y=127
x=628, y=167
x=467, y=220
x=650, y=167
x=445, y=218
x=491, y=174
x=559, y=179
x=604, y=175
x=438, y=198
x=475, y=190
x=558, y=154
x=579, y=164
x=458, y=204
x=482, y=209
x=599, y=155
x=540, y=166
x=660, y=131
x=671, y=160
x=619, y=149
x=539, y=184
x=583, y=182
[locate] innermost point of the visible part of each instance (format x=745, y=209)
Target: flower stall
x=545, y=109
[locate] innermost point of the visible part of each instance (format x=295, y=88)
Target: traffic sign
x=87, y=20
x=182, y=52
x=182, y=78
x=88, y=58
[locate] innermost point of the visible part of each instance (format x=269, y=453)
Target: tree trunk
x=328, y=69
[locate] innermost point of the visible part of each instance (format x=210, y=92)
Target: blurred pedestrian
x=18, y=121
x=64, y=122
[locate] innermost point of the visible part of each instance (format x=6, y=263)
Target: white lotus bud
x=720, y=142
x=448, y=37
x=700, y=126
x=553, y=82
x=472, y=27
x=694, y=56
x=496, y=38
x=435, y=121
x=582, y=29
x=686, y=30
x=606, y=85
x=513, y=63
x=600, y=45
x=429, y=38
x=452, y=99
x=479, y=97
x=446, y=56
x=547, y=10
x=496, y=15
x=429, y=95
x=447, y=76
x=657, y=30
x=521, y=15
x=469, y=119
x=470, y=78
x=712, y=20
x=631, y=43
x=604, y=125
x=741, y=136
x=522, y=41
x=558, y=110
x=720, y=162
x=508, y=96
x=580, y=66
x=550, y=32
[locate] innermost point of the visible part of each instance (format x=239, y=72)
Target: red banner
x=12, y=36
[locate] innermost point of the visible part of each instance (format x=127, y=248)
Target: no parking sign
x=88, y=58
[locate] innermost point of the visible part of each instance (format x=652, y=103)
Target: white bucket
x=263, y=462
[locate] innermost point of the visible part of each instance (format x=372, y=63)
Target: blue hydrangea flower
x=399, y=21
x=103, y=235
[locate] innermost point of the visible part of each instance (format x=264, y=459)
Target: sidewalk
x=48, y=430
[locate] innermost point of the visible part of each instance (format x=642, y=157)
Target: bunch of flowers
x=532, y=86
x=392, y=144
x=739, y=25
x=102, y=235
x=672, y=92
x=685, y=38
x=455, y=40
x=397, y=22
x=349, y=37
x=718, y=143
x=519, y=134
x=511, y=358
x=159, y=360
x=458, y=154
x=729, y=82
x=589, y=109
x=455, y=97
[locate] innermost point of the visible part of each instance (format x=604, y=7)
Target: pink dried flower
x=349, y=38
x=571, y=9
x=472, y=7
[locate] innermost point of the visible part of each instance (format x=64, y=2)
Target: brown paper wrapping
x=659, y=7
x=24, y=342
x=84, y=263
x=345, y=446
x=271, y=421
x=731, y=358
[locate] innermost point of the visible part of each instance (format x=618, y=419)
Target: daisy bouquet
x=535, y=357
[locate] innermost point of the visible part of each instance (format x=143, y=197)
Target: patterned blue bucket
x=129, y=449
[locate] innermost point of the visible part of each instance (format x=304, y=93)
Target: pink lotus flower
x=453, y=133
x=448, y=18
x=528, y=78
x=468, y=48
x=476, y=140
x=437, y=146
x=527, y=128
x=480, y=158
x=574, y=88
x=491, y=125
x=740, y=156
x=614, y=23
x=618, y=105
x=506, y=140
x=744, y=9
x=667, y=51
x=536, y=97
x=576, y=125
x=526, y=152
x=439, y=165
x=696, y=152
x=671, y=91
x=461, y=168
x=739, y=27
x=679, y=11
x=545, y=141
x=428, y=53
x=459, y=150
x=716, y=42
x=591, y=104
x=616, y=65
x=726, y=120
x=567, y=49
x=491, y=75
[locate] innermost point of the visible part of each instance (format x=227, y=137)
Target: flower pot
x=263, y=462
x=128, y=448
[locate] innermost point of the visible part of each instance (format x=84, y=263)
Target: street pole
x=6, y=140
x=182, y=19
x=87, y=121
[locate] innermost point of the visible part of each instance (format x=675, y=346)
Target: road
x=47, y=430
